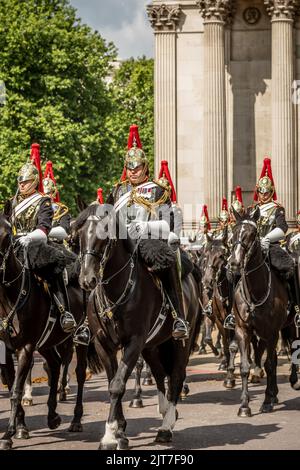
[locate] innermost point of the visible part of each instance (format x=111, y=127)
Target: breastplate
x=266, y=222
x=27, y=220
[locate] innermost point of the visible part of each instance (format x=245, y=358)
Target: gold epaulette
x=164, y=184
x=120, y=183
x=61, y=211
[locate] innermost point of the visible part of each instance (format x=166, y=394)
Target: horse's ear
x=225, y=236
x=255, y=215
x=7, y=212
x=237, y=215
x=208, y=238
x=81, y=204
x=110, y=199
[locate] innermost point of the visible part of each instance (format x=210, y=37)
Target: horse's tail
x=94, y=362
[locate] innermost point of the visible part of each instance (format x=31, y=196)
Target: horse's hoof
x=244, y=412
x=62, y=396
x=282, y=353
x=5, y=444
x=75, y=427
x=147, y=381
x=136, y=403
x=163, y=435
x=108, y=445
x=53, y=423
x=255, y=379
x=229, y=383
x=266, y=408
x=22, y=433
x=296, y=385
x=222, y=366
x=202, y=351
x=27, y=402
x=275, y=401
x=123, y=443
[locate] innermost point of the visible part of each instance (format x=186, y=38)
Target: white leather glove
x=159, y=229
x=136, y=229
x=173, y=241
x=265, y=243
x=35, y=236
x=58, y=233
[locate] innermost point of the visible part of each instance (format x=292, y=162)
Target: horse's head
x=5, y=230
x=93, y=229
x=243, y=240
x=213, y=262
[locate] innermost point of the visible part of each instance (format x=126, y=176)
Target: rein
x=252, y=304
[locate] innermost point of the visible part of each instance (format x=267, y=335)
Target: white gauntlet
x=36, y=236
x=58, y=233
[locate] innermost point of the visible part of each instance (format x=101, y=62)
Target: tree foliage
x=54, y=70
x=132, y=103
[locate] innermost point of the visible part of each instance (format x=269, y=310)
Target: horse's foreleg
x=137, y=401
x=24, y=363
x=81, y=352
x=230, y=350
x=27, y=395
x=259, y=348
x=54, y=364
x=271, y=369
x=148, y=376
x=66, y=355
x=243, y=339
x=114, y=437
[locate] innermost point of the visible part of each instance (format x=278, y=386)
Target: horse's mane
x=84, y=215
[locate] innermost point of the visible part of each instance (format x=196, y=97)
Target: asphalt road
x=207, y=418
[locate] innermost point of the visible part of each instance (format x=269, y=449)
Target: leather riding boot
x=173, y=287
x=67, y=321
x=229, y=321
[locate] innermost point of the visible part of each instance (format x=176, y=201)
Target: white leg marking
x=110, y=433
x=162, y=403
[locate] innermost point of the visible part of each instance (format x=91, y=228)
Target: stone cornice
x=282, y=9
x=216, y=10
x=164, y=17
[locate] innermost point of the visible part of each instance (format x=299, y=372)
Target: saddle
x=281, y=261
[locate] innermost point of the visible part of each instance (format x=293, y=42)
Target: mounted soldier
x=146, y=208
x=31, y=218
x=272, y=227
x=224, y=221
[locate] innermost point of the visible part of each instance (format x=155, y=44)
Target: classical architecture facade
x=226, y=94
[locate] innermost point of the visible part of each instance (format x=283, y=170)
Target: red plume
x=164, y=171
x=205, y=213
x=36, y=161
x=238, y=194
x=50, y=174
x=134, y=137
x=100, y=195
x=224, y=204
x=266, y=171
x=124, y=174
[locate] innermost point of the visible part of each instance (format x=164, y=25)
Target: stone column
x=164, y=20
x=215, y=14
x=282, y=14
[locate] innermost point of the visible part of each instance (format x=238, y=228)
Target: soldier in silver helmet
x=31, y=219
x=139, y=200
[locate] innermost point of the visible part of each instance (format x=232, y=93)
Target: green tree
x=132, y=103
x=54, y=70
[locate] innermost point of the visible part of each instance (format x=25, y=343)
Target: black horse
x=29, y=315
x=260, y=305
x=127, y=311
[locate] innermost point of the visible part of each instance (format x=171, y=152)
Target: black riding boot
x=59, y=291
x=229, y=321
x=294, y=294
x=173, y=287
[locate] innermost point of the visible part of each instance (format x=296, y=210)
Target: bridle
x=252, y=304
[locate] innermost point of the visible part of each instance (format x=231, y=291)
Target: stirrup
x=67, y=322
x=229, y=322
x=82, y=335
x=182, y=330
x=297, y=317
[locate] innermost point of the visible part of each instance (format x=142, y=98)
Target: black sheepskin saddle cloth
x=157, y=255
x=281, y=261
x=49, y=260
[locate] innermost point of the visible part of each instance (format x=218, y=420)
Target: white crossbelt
x=22, y=206
x=125, y=198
